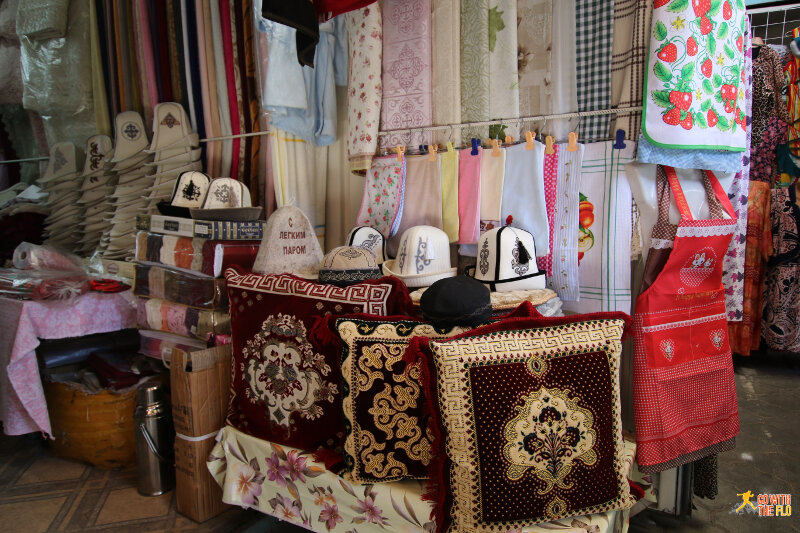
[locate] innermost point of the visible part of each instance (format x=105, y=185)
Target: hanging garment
x=565, y=278
x=733, y=264
x=563, y=75
x=448, y=163
x=503, y=59
x=158, y=17
x=446, y=68
x=492, y=176
x=768, y=82
x=694, y=85
x=422, y=198
x=763, y=163
x=745, y=335
x=475, y=66
x=683, y=384
x=406, y=74
x=631, y=38
x=364, y=93
x=173, y=45
x=469, y=196
x=604, y=230
x=594, y=23
x=534, y=39
x=793, y=98
x=247, y=49
x=550, y=188
x=302, y=18
x=327, y=9
x=781, y=319
x=523, y=195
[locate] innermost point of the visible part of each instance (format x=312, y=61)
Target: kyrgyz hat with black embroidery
x=507, y=261
x=190, y=191
x=369, y=238
x=346, y=265
x=227, y=199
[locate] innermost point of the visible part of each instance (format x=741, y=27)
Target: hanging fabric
x=793, y=98
x=422, y=198
x=382, y=202
x=327, y=9
x=223, y=102
x=550, y=188
x=563, y=75
x=604, y=230
x=534, y=40
x=523, y=196
x=406, y=75
x=213, y=121
x=446, y=68
x=469, y=196
x=492, y=177
x=594, y=22
x=230, y=83
x=301, y=17
x=239, y=72
x=99, y=96
x=448, y=164
x=365, y=35
x=683, y=384
x=475, y=66
x=565, y=278
x=503, y=59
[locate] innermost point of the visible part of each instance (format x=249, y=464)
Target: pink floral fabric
x=365, y=37
x=22, y=403
x=382, y=202
x=550, y=182
x=406, y=70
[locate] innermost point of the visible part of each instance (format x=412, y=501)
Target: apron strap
x=718, y=193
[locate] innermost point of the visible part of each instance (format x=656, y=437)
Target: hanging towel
x=422, y=198
x=446, y=70
x=523, y=193
x=475, y=66
x=492, y=174
x=693, y=94
x=469, y=196
x=594, y=22
x=550, y=188
x=383, y=195
x=565, y=279
x=406, y=76
x=296, y=166
x=631, y=38
x=563, y=90
x=604, y=230
x=364, y=89
x=534, y=36
x=733, y=265
x=448, y=161
x=503, y=59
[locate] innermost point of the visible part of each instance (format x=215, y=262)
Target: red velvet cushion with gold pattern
x=527, y=413
x=286, y=386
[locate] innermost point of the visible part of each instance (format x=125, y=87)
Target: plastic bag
x=29, y=256
x=44, y=285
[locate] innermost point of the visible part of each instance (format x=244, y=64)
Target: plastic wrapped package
x=178, y=286
x=170, y=317
x=57, y=77
x=159, y=345
x=203, y=255
x=29, y=256
x=47, y=285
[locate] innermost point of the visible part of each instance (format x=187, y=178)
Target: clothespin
x=450, y=147
x=432, y=149
x=529, y=135
x=509, y=139
x=573, y=142
x=496, y=149
x=548, y=148
x=422, y=148
x=620, y=144
x=475, y=144
x=400, y=149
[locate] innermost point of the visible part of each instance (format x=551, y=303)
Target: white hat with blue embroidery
x=423, y=257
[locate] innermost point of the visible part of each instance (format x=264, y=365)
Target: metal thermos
x=155, y=435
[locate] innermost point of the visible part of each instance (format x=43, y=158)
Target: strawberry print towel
x=694, y=88
x=382, y=202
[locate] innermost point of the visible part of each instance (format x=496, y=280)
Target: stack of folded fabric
x=98, y=186
x=175, y=151
x=60, y=181
x=133, y=177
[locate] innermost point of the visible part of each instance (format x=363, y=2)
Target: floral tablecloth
x=23, y=408
x=289, y=484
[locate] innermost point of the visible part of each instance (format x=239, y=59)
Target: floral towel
x=550, y=189
x=406, y=70
x=383, y=195
x=693, y=95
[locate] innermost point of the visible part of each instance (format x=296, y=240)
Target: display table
x=289, y=484
x=22, y=323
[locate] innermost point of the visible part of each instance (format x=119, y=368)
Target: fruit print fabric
x=694, y=90
x=382, y=202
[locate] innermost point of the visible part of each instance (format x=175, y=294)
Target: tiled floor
x=41, y=493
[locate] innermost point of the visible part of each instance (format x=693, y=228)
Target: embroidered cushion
x=286, y=387
x=527, y=421
x=386, y=420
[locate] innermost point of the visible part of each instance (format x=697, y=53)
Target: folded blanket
x=170, y=317
x=201, y=255
x=194, y=290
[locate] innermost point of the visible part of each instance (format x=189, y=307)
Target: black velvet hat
x=457, y=301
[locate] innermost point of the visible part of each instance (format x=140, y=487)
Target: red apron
x=683, y=383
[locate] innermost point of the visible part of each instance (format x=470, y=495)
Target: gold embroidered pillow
x=386, y=434
x=528, y=411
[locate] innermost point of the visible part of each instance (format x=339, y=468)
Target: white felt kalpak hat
x=290, y=245
x=422, y=258
x=227, y=199
x=130, y=137
x=189, y=191
x=369, y=238
x=507, y=261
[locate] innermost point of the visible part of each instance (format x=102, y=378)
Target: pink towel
x=550, y=182
x=469, y=196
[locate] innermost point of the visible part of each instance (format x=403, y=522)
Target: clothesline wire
x=26, y=160
x=576, y=114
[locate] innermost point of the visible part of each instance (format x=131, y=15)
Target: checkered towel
x=594, y=41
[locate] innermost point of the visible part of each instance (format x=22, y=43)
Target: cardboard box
x=200, y=383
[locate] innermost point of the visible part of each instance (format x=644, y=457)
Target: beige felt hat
x=290, y=245
x=227, y=199
x=130, y=136
x=346, y=265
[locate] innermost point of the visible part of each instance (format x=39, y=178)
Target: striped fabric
x=594, y=37
x=631, y=27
